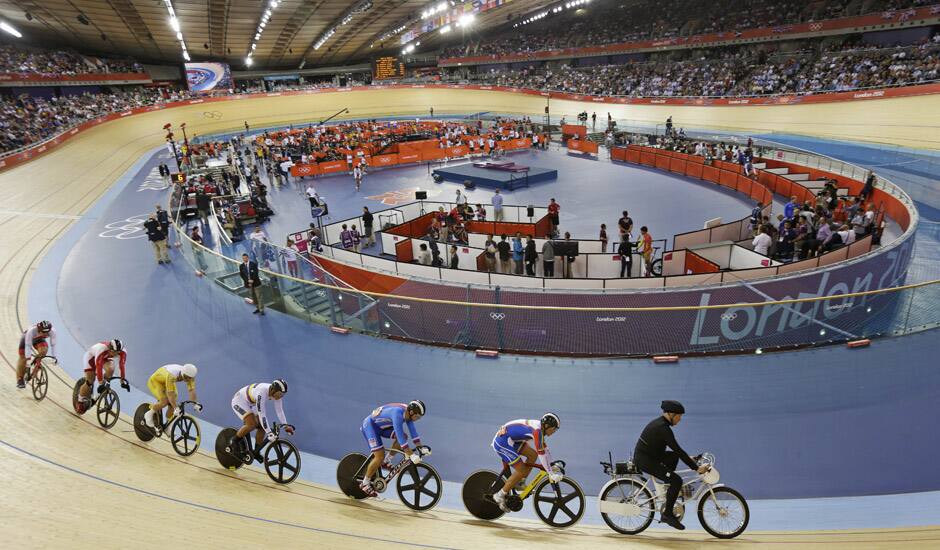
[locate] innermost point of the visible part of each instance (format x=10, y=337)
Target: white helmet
x=189, y=370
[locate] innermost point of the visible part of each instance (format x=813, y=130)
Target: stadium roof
x=226, y=29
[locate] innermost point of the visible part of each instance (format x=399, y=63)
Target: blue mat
x=484, y=177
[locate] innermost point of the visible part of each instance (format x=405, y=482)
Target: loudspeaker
x=421, y=195
x=530, y=211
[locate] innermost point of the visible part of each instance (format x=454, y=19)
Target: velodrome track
x=69, y=482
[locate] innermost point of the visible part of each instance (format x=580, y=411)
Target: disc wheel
x=478, y=495
x=282, y=461
x=349, y=473
x=656, y=268
x=560, y=504
x=108, y=409
x=39, y=383
x=79, y=408
x=227, y=456
x=185, y=435
x=143, y=431
x=627, y=492
x=416, y=481
x=723, y=512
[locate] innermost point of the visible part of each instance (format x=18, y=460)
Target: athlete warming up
x=511, y=444
x=389, y=421
x=162, y=384
x=249, y=405
x=98, y=364
x=39, y=341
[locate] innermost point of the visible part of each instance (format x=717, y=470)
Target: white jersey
x=252, y=399
x=31, y=335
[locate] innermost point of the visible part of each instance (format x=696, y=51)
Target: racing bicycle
x=107, y=405
x=412, y=480
x=182, y=429
x=557, y=504
x=281, y=459
x=38, y=376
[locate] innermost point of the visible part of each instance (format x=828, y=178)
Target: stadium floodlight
x=185, y=55
x=248, y=61
x=6, y=27
x=466, y=19
x=445, y=29
x=175, y=23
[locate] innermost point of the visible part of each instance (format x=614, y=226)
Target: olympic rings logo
x=729, y=316
x=496, y=316
x=129, y=228
x=212, y=114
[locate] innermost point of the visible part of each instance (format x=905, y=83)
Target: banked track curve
x=68, y=482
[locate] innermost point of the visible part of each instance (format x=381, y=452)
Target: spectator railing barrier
x=863, y=297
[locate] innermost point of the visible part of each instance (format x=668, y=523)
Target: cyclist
x=389, y=421
x=511, y=444
x=249, y=405
x=652, y=457
x=97, y=362
x=41, y=339
x=162, y=384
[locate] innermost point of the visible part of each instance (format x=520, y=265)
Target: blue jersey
x=513, y=435
x=390, y=421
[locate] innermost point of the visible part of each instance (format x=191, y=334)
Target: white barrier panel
x=835, y=256
x=719, y=254
x=574, y=283
x=416, y=270
x=742, y=258
x=477, y=240
x=604, y=266
x=589, y=247
x=675, y=264
x=690, y=280
x=636, y=282
x=515, y=281
x=464, y=276
x=347, y=256
x=388, y=243
x=413, y=210
x=748, y=274
x=384, y=264
x=793, y=267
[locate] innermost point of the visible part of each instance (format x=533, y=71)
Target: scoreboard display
x=387, y=67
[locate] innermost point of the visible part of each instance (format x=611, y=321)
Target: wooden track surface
x=66, y=482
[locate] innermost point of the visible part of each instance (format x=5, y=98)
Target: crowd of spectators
x=603, y=23
x=739, y=74
x=59, y=62
x=26, y=119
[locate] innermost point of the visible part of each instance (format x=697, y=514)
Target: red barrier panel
x=710, y=173
x=633, y=156
x=404, y=252
x=458, y=151
x=696, y=159
x=405, y=158
x=728, y=179
x=332, y=167
x=543, y=227
x=677, y=165
x=583, y=146
x=744, y=184
x=647, y=159
x=418, y=146
x=574, y=130
x=618, y=153
x=662, y=162
x=694, y=169
x=432, y=154
x=385, y=160
x=300, y=170
x=697, y=264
